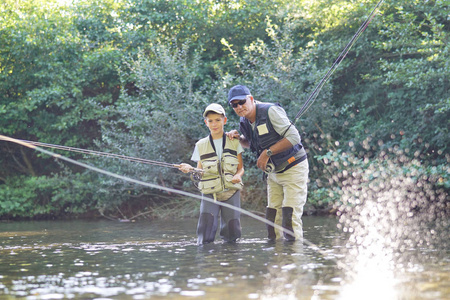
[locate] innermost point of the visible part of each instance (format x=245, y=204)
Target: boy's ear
x=206, y=122
x=224, y=120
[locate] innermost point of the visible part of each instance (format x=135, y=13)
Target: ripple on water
x=147, y=268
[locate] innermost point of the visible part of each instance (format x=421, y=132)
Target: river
x=156, y=259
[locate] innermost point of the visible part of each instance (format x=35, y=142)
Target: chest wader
x=206, y=228
x=287, y=222
x=216, y=181
x=232, y=232
x=271, y=213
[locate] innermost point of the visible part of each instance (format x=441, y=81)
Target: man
x=267, y=131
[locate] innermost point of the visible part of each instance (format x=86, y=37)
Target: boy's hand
x=185, y=168
x=236, y=179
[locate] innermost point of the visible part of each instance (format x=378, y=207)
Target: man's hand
x=233, y=134
x=263, y=159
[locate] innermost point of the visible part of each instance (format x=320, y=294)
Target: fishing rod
x=175, y=191
x=105, y=154
x=312, y=97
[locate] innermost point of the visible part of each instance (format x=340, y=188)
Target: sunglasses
x=240, y=102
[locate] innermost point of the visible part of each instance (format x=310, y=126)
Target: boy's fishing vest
x=217, y=173
x=265, y=136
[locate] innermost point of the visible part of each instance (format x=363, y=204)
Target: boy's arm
x=240, y=171
x=186, y=168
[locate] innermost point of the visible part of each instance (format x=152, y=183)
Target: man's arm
x=280, y=146
x=282, y=126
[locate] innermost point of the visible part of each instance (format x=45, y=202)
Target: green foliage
x=204, y=24
x=323, y=198
x=44, y=197
x=415, y=69
x=398, y=87
x=133, y=77
x=51, y=77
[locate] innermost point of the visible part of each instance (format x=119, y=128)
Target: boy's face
x=215, y=123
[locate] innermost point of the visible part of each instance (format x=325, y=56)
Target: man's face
x=244, y=108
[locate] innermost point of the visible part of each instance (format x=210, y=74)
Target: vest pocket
x=230, y=164
x=210, y=167
x=210, y=186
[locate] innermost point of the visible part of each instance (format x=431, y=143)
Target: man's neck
x=252, y=115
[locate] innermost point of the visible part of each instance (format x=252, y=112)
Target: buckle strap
x=292, y=161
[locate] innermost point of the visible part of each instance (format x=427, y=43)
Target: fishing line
x=312, y=97
x=163, y=188
x=105, y=154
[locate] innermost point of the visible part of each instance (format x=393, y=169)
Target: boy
x=220, y=158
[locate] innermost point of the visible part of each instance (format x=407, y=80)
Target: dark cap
x=238, y=92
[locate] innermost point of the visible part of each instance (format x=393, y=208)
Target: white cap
x=217, y=108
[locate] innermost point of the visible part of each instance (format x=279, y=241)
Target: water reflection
x=396, y=218
x=88, y=260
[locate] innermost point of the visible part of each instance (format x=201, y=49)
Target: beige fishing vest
x=217, y=173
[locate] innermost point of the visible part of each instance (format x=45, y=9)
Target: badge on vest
x=262, y=129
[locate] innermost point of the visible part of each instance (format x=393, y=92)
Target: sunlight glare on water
x=391, y=212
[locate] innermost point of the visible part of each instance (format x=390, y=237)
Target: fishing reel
x=196, y=176
x=270, y=168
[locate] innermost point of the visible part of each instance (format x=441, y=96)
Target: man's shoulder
x=276, y=109
x=268, y=104
x=266, y=107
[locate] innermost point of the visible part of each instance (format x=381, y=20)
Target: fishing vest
x=265, y=136
x=218, y=173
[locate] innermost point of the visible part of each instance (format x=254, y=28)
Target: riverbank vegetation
x=133, y=77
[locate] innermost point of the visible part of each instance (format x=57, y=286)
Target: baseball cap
x=238, y=92
x=217, y=108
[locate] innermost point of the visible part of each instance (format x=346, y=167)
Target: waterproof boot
x=287, y=222
x=270, y=216
x=231, y=232
x=205, y=229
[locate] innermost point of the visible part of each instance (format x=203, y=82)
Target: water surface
x=160, y=259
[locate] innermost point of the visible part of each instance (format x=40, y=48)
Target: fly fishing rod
x=103, y=154
x=312, y=97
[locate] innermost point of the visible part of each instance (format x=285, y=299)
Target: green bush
x=133, y=77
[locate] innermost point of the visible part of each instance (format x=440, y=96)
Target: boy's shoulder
x=233, y=142
x=202, y=140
